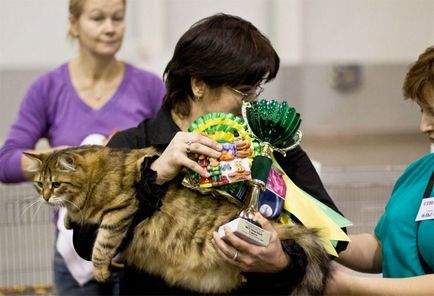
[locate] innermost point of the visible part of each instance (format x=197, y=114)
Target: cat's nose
x=46, y=195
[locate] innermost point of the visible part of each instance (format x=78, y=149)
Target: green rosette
x=223, y=128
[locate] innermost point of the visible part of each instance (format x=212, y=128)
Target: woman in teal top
x=402, y=246
x=401, y=243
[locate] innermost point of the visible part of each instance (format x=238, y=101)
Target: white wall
x=311, y=36
x=303, y=31
x=367, y=31
x=33, y=33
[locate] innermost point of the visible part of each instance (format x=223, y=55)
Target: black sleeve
x=301, y=171
x=83, y=238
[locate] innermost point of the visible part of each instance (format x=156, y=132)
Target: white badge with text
x=426, y=210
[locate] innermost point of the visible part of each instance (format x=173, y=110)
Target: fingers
x=238, y=243
x=187, y=144
x=250, y=257
x=264, y=222
x=246, y=258
x=198, y=144
x=194, y=166
x=228, y=252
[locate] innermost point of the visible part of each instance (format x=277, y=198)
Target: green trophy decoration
x=275, y=125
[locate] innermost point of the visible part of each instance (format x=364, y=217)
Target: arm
x=30, y=125
x=363, y=254
x=343, y=283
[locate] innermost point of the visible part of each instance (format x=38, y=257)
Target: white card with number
x=426, y=210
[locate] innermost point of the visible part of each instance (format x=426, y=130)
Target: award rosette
x=234, y=163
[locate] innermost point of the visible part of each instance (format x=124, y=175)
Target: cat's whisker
x=30, y=197
x=34, y=204
x=29, y=205
x=39, y=204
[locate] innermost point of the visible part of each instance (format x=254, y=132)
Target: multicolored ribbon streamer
x=313, y=214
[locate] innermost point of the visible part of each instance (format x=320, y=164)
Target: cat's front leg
x=111, y=232
x=67, y=221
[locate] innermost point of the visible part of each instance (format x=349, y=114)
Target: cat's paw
x=101, y=274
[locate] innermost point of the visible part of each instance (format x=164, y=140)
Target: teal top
x=397, y=227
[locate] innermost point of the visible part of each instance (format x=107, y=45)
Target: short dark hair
x=219, y=50
x=419, y=81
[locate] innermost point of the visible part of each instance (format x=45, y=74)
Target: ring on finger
x=188, y=147
x=235, y=258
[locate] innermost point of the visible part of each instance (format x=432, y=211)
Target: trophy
x=276, y=127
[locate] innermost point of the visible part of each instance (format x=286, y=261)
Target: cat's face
x=56, y=178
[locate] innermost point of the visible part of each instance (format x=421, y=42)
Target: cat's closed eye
x=38, y=184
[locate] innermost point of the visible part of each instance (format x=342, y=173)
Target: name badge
x=426, y=210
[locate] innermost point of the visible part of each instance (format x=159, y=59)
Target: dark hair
x=219, y=50
x=419, y=81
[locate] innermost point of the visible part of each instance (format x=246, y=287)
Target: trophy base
x=247, y=231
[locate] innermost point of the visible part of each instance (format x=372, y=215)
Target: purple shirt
x=52, y=109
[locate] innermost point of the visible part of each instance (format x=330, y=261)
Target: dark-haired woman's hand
x=253, y=258
x=179, y=152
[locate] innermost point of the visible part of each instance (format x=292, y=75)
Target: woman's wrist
x=284, y=261
x=155, y=166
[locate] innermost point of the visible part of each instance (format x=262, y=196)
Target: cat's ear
x=67, y=163
x=35, y=162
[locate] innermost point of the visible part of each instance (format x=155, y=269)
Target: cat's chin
x=56, y=202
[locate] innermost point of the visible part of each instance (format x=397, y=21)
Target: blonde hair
x=419, y=81
x=76, y=9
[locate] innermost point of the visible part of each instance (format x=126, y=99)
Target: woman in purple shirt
x=94, y=94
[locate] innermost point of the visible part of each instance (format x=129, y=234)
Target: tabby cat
x=97, y=185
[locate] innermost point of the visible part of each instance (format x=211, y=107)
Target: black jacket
x=158, y=132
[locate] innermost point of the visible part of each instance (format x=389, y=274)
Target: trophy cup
x=275, y=126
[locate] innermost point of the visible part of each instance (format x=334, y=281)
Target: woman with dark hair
x=217, y=64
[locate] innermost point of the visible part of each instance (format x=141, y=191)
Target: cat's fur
x=97, y=185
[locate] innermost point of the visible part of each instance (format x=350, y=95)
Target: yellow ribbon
x=301, y=205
